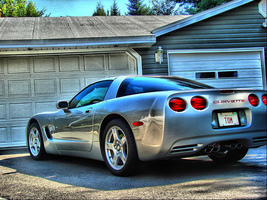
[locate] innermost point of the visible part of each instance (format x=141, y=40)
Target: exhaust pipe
x=208, y=150
x=214, y=147
x=231, y=146
x=234, y=146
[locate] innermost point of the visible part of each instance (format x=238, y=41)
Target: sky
x=77, y=8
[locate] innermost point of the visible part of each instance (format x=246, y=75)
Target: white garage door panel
x=2, y=88
x=248, y=63
x=3, y=136
x=18, y=65
x=20, y=110
x=20, y=88
x=69, y=85
x=69, y=64
x=1, y=66
x=93, y=63
x=17, y=134
x=30, y=85
x=42, y=65
x=45, y=106
x=216, y=64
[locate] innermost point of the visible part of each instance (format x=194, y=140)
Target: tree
x=201, y=5
x=163, y=7
x=20, y=8
x=207, y=4
x=169, y=7
x=100, y=11
x=136, y=7
x=114, y=10
x=194, y=2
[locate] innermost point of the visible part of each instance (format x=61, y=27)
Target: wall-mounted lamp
x=264, y=24
x=159, y=55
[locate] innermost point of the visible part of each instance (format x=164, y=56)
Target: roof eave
x=199, y=17
x=131, y=41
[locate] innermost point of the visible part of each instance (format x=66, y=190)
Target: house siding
x=237, y=28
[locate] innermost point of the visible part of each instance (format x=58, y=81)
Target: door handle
x=88, y=110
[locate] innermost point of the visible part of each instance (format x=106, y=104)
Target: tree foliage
x=100, y=11
x=114, y=10
x=136, y=7
x=169, y=7
x=165, y=7
x=20, y=8
x=201, y=5
x=207, y=4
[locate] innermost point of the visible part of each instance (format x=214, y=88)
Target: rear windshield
x=135, y=85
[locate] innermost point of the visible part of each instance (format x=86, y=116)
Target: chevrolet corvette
x=128, y=119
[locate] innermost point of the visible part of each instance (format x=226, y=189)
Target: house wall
x=238, y=28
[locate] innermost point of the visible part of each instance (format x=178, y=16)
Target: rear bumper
x=195, y=146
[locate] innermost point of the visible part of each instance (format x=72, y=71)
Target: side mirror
x=62, y=105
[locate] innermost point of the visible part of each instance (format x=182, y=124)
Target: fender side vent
x=186, y=148
x=259, y=139
x=48, y=133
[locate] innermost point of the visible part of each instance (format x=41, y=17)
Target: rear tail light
x=264, y=99
x=199, y=103
x=177, y=104
x=253, y=100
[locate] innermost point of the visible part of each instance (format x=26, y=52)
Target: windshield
x=135, y=85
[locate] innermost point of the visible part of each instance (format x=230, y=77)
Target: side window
x=92, y=94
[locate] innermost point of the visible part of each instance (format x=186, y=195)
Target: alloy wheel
x=34, y=141
x=116, y=147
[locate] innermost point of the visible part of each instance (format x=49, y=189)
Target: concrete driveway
x=76, y=178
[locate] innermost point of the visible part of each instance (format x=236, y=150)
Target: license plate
x=228, y=119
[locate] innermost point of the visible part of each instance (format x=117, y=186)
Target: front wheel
x=118, y=148
x=230, y=155
x=35, y=142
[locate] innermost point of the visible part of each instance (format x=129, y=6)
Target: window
x=201, y=75
x=136, y=85
x=92, y=94
x=221, y=74
x=228, y=74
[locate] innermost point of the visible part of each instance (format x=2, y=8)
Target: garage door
x=33, y=84
x=232, y=68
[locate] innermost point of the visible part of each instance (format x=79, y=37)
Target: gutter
x=135, y=41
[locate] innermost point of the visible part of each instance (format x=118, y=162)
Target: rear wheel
x=230, y=155
x=118, y=148
x=35, y=142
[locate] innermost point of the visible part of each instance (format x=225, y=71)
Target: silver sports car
x=124, y=120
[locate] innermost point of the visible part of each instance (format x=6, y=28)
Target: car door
x=74, y=126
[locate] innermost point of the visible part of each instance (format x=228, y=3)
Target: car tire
x=35, y=142
x=118, y=148
x=230, y=155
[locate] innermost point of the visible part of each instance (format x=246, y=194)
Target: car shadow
x=94, y=174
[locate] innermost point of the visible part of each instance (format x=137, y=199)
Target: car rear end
x=198, y=122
